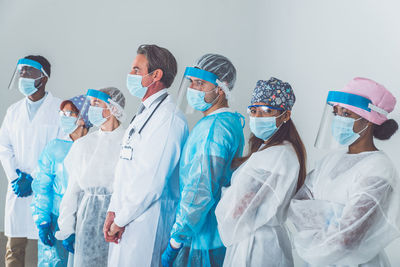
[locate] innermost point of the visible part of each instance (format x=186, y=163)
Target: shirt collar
x=150, y=100
x=36, y=103
x=220, y=110
x=68, y=138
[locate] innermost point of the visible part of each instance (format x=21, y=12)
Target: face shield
x=95, y=104
x=198, y=92
x=27, y=76
x=341, y=125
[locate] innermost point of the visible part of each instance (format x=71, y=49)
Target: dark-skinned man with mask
x=27, y=127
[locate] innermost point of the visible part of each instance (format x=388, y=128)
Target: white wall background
x=315, y=45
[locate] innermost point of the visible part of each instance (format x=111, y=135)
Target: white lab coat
x=146, y=188
x=252, y=212
x=21, y=142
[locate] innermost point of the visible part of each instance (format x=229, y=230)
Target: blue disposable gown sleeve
x=70, y=201
x=42, y=187
x=200, y=191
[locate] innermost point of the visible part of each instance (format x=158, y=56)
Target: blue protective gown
x=205, y=167
x=48, y=188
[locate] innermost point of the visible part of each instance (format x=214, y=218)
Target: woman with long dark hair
x=252, y=212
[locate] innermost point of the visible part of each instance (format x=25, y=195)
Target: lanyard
x=132, y=131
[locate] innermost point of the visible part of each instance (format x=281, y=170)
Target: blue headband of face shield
x=98, y=94
x=201, y=74
x=336, y=97
x=31, y=63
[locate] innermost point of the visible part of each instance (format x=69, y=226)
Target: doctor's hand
x=116, y=232
x=22, y=185
x=169, y=255
x=107, y=225
x=69, y=243
x=46, y=234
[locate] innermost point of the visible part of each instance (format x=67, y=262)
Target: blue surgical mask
x=342, y=130
x=27, y=86
x=264, y=127
x=95, y=115
x=68, y=124
x=195, y=98
x=135, y=87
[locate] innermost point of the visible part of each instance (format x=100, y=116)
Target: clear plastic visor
x=200, y=81
x=27, y=68
x=95, y=98
x=339, y=123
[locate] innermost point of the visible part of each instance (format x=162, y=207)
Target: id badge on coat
x=126, y=153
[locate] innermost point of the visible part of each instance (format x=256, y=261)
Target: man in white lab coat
x=146, y=187
x=28, y=126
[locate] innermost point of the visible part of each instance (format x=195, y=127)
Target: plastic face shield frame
x=325, y=139
x=68, y=113
x=26, y=68
x=201, y=75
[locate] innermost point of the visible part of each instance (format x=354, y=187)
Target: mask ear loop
x=279, y=117
x=359, y=133
x=277, y=129
x=40, y=84
x=215, y=100
x=45, y=75
x=151, y=82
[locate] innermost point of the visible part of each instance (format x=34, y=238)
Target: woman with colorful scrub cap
x=252, y=212
x=347, y=211
x=52, y=179
x=90, y=165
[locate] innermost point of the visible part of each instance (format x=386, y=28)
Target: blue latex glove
x=22, y=185
x=69, y=243
x=46, y=234
x=169, y=256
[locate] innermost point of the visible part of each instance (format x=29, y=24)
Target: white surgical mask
x=27, y=86
x=264, y=127
x=134, y=85
x=342, y=130
x=196, y=99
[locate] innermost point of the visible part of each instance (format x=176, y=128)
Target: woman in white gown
x=90, y=165
x=347, y=212
x=252, y=212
